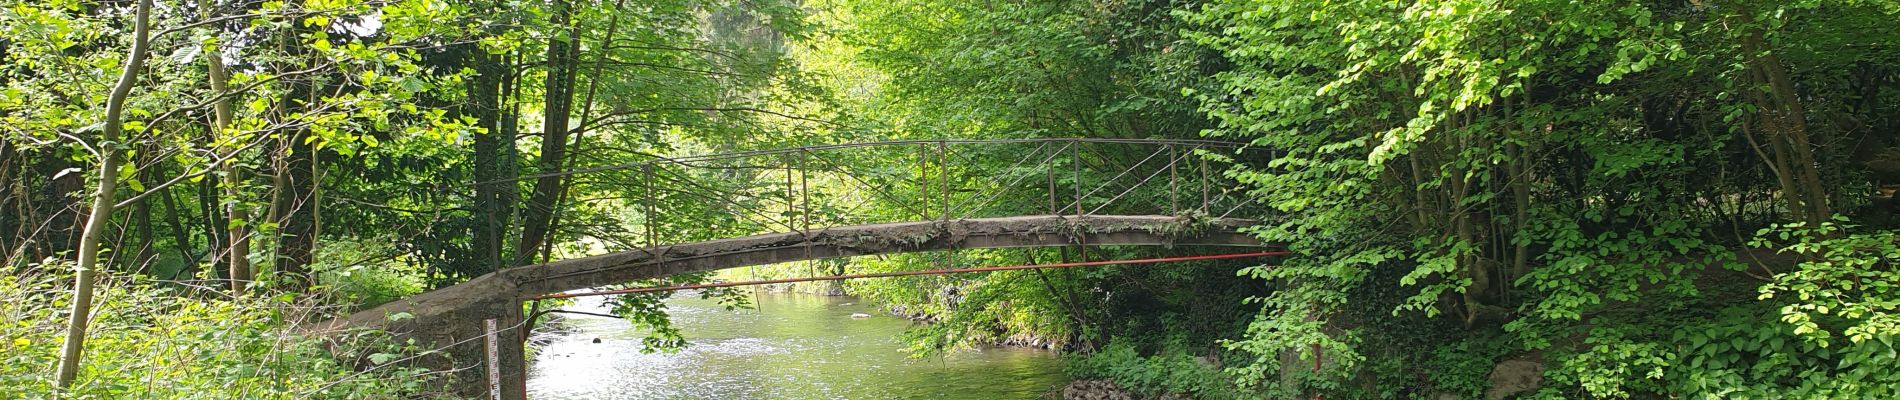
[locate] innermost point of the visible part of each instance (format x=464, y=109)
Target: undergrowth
x=165, y=340
x=1169, y=373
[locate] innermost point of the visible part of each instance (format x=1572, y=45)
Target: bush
x=1170, y=372
x=151, y=340
x=1464, y=367
x=1744, y=354
x=360, y=274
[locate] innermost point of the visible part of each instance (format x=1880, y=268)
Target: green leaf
x=383, y=358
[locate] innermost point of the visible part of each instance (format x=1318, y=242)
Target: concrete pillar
x=511, y=354
x=465, y=332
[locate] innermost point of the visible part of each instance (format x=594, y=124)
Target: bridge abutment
x=461, y=339
x=447, y=326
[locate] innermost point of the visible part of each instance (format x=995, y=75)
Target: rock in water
x=860, y=315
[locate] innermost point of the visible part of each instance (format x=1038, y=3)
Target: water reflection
x=792, y=347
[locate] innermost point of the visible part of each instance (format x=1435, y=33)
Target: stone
x=1095, y=390
x=1512, y=377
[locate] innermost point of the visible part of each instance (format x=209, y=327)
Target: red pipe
x=909, y=273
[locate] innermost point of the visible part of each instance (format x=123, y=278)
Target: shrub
x=1167, y=373
x=360, y=274
x=152, y=340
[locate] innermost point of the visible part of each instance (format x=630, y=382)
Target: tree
x=238, y=257
x=558, y=99
x=108, y=147
x=1533, y=170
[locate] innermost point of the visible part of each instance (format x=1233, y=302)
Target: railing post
x=791, y=204
x=804, y=193
x=1204, y=187
x=1174, y=179
x=1075, y=164
x=1049, y=170
x=923, y=180
x=653, y=233
x=943, y=175
x=1075, y=156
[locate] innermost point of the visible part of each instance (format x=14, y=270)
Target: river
x=792, y=346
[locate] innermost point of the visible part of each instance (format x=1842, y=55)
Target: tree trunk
x=297, y=235
x=295, y=202
x=539, y=212
x=1782, y=122
x=492, y=212
x=179, y=234
x=75, y=343
x=211, y=220
x=142, y=217
x=56, y=221
x=238, y=255
x=1520, y=217
x=12, y=204
x=587, y=107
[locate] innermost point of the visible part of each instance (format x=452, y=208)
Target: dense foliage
x=1585, y=177
x=343, y=154
x=1646, y=198
x=1605, y=187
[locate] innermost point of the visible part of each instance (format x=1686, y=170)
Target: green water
x=791, y=347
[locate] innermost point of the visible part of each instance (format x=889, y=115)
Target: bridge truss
x=683, y=199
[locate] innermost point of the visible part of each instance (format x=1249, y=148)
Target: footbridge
x=1098, y=192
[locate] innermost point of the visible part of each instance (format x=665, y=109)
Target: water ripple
x=792, y=347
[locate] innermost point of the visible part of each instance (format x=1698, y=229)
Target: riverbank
x=1098, y=389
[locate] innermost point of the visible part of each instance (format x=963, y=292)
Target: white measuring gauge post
x=494, y=360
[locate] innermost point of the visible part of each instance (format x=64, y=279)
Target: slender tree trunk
x=179, y=234
x=212, y=220
x=238, y=255
x=12, y=214
x=56, y=211
x=539, y=212
x=278, y=183
x=1462, y=231
x=1520, y=218
x=11, y=195
x=1520, y=184
x=510, y=193
x=1781, y=122
x=142, y=218
x=587, y=107
x=88, y=263
x=298, y=238
x=296, y=201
